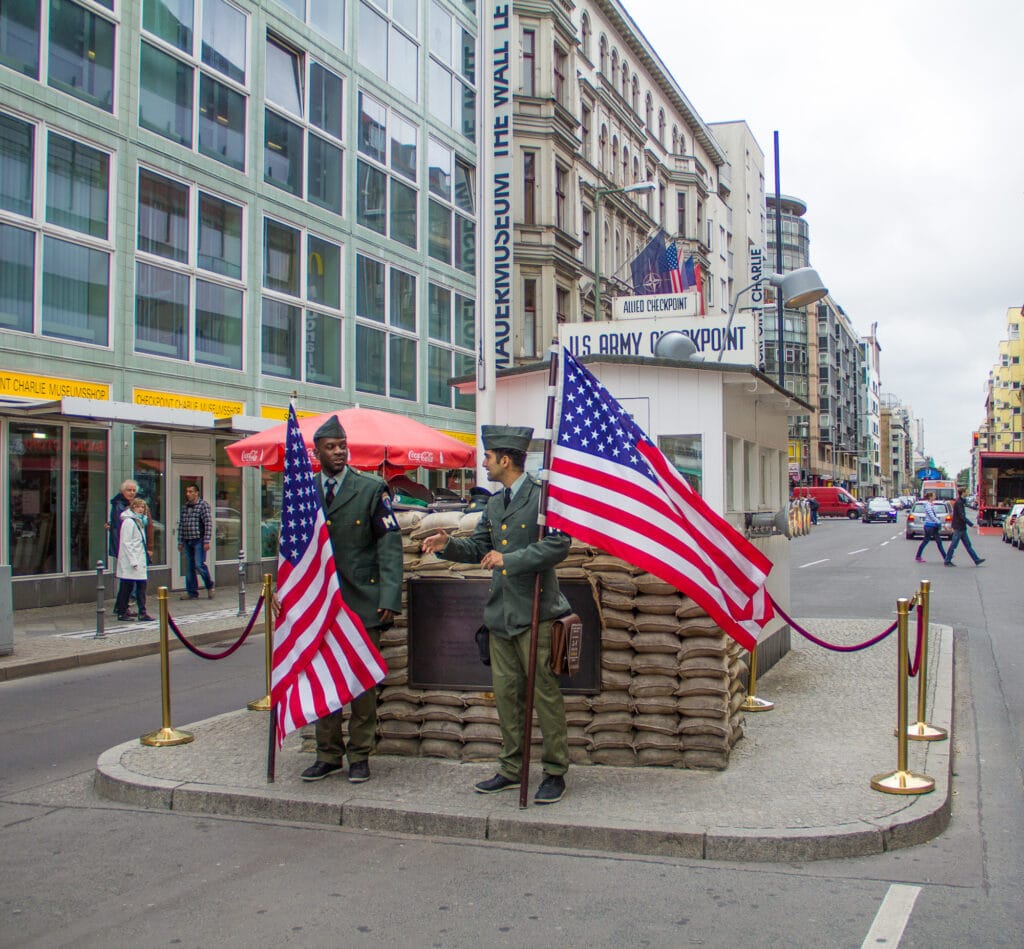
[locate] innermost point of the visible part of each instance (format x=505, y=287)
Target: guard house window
x=55, y=232
x=386, y=172
x=685, y=452
x=386, y=330
x=80, y=52
x=452, y=347
x=189, y=288
x=560, y=71
x=529, y=62
x=529, y=187
x=451, y=221
x=193, y=74
x=327, y=17
x=451, y=73
x=388, y=44
x=303, y=152
x=301, y=309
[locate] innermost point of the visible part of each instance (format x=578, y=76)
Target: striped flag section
x=610, y=487
x=322, y=655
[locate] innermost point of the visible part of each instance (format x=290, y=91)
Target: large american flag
x=610, y=487
x=322, y=655
x=670, y=266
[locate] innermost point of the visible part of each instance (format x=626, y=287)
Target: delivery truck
x=1000, y=483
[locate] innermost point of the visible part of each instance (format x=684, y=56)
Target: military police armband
x=384, y=520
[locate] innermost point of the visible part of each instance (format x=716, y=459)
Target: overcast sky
x=900, y=126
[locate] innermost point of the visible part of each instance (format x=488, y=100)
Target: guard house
x=724, y=426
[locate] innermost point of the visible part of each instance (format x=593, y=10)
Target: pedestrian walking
x=960, y=524
x=932, y=525
x=132, y=572
x=195, y=528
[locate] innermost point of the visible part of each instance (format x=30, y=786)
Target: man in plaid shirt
x=195, y=527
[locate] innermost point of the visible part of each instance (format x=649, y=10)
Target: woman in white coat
x=131, y=559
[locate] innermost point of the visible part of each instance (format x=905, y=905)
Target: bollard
x=921, y=730
x=241, y=581
x=166, y=735
x=752, y=703
x=263, y=704
x=902, y=781
x=100, y=608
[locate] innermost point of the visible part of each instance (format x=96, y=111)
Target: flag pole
x=531, y=676
x=268, y=631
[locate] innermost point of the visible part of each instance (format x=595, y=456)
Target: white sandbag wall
x=671, y=681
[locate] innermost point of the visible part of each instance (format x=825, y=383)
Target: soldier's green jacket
x=509, y=607
x=367, y=545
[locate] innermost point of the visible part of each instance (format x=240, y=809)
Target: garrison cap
x=506, y=437
x=332, y=428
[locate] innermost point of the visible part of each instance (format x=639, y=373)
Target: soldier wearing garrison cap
x=505, y=540
x=368, y=557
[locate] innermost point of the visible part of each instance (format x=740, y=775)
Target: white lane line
x=859, y=550
x=813, y=563
x=884, y=542
x=892, y=917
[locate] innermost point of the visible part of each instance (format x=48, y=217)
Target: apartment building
x=1002, y=428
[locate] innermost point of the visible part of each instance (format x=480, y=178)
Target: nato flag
x=647, y=275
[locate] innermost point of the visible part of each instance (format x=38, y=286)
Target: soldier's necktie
x=508, y=497
x=329, y=493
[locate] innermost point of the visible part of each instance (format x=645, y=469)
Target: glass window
x=163, y=216
x=403, y=147
x=218, y=325
x=465, y=322
x=371, y=201
x=369, y=288
x=464, y=194
x=686, y=454
x=370, y=368
x=227, y=513
x=373, y=119
x=283, y=84
x=270, y=511
x=224, y=30
x=171, y=20
x=161, y=312
x=402, y=368
x=404, y=65
x=76, y=286
x=281, y=339
x=283, y=153
x=165, y=95
x=77, y=186
x=81, y=54
x=465, y=245
x=323, y=349
x=324, y=273
x=439, y=304
x=465, y=365
x=440, y=31
x=325, y=174
x=281, y=258
x=439, y=371
x=19, y=36
x=439, y=85
x=439, y=244
x=221, y=122
x=327, y=17
x=403, y=300
x=406, y=14
x=148, y=469
x=440, y=169
x=87, y=484
x=325, y=99
x=16, y=151
x=34, y=452
x=403, y=213
x=373, y=41
x=17, y=278
x=220, y=236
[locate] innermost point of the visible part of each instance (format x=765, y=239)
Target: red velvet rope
x=821, y=642
x=913, y=667
x=202, y=654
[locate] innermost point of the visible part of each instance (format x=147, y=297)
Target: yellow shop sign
x=219, y=408
x=45, y=387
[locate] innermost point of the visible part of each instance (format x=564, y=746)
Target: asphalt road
x=77, y=870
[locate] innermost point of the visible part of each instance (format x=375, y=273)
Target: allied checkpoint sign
x=632, y=335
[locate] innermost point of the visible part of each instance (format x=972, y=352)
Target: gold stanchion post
x=166, y=735
x=921, y=730
x=752, y=703
x=902, y=781
x=263, y=704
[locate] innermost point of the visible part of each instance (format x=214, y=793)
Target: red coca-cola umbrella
x=375, y=439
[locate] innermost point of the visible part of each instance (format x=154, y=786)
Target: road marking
x=859, y=550
x=813, y=563
x=884, y=542
x=892, y=916
x=119, y=627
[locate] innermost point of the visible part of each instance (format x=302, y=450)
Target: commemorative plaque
x=444, y=615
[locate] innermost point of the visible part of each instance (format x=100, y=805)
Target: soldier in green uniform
x=505, y=540
x=367, y=545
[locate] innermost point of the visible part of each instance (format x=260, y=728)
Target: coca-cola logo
x=251, y=457
x=423, y=457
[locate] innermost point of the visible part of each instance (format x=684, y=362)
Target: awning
x=98, y=410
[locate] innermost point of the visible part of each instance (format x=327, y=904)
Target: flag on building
x=610, y=487
x=690, y=269
x=646, y=267
x=695, y=278
x=322, y=656
x=669, y=265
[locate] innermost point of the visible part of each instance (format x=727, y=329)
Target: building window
x=327, y=17
x=301, y=308
x=192, y=83
x=19, y=37
x=81, y=53
x=561, y=184
x=529, y=187
x=602, y=51
x=585, y=37
x=452, y=347
x=58, y=213
x=649, y=111
x=451, y=221
x=386, y=172
x=388, y=43
x=452, y=73
x=529, y=62
x=560, y=72
x=189, y=294
x=531, y=331
x=386, y=330
x=586, y=116
x=303, y=151
x=587, y=248
x=561, y=305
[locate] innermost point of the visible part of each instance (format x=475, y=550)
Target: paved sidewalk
x=797, y=787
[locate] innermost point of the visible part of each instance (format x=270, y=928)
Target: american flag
x=610, y=487
x=322, y=655
x=670, y=266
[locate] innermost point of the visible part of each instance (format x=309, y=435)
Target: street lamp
x=599, y=193
x=797, y=288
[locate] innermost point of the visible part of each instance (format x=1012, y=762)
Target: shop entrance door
x=183, y=474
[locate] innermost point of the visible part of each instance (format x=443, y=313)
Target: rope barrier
x=914, y=665
x=825, y=645
x=202, y=654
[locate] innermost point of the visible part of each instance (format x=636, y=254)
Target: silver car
x=915, y=519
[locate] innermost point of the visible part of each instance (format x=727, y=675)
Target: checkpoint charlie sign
x=638, y=337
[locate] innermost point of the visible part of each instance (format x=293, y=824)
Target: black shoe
x=146, y=618
x=551, y=790
x=493, y=785
x=979, y=561
x=210, y=593
x=320, y=770
x=189, y=596
x=948, y=563
x=358, y=772
x=124, y=618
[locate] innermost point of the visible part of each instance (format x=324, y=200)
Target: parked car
x=915, y=519
x=878, y=509
x=1017, y=533
x=832, y=501
x=1010, y=520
